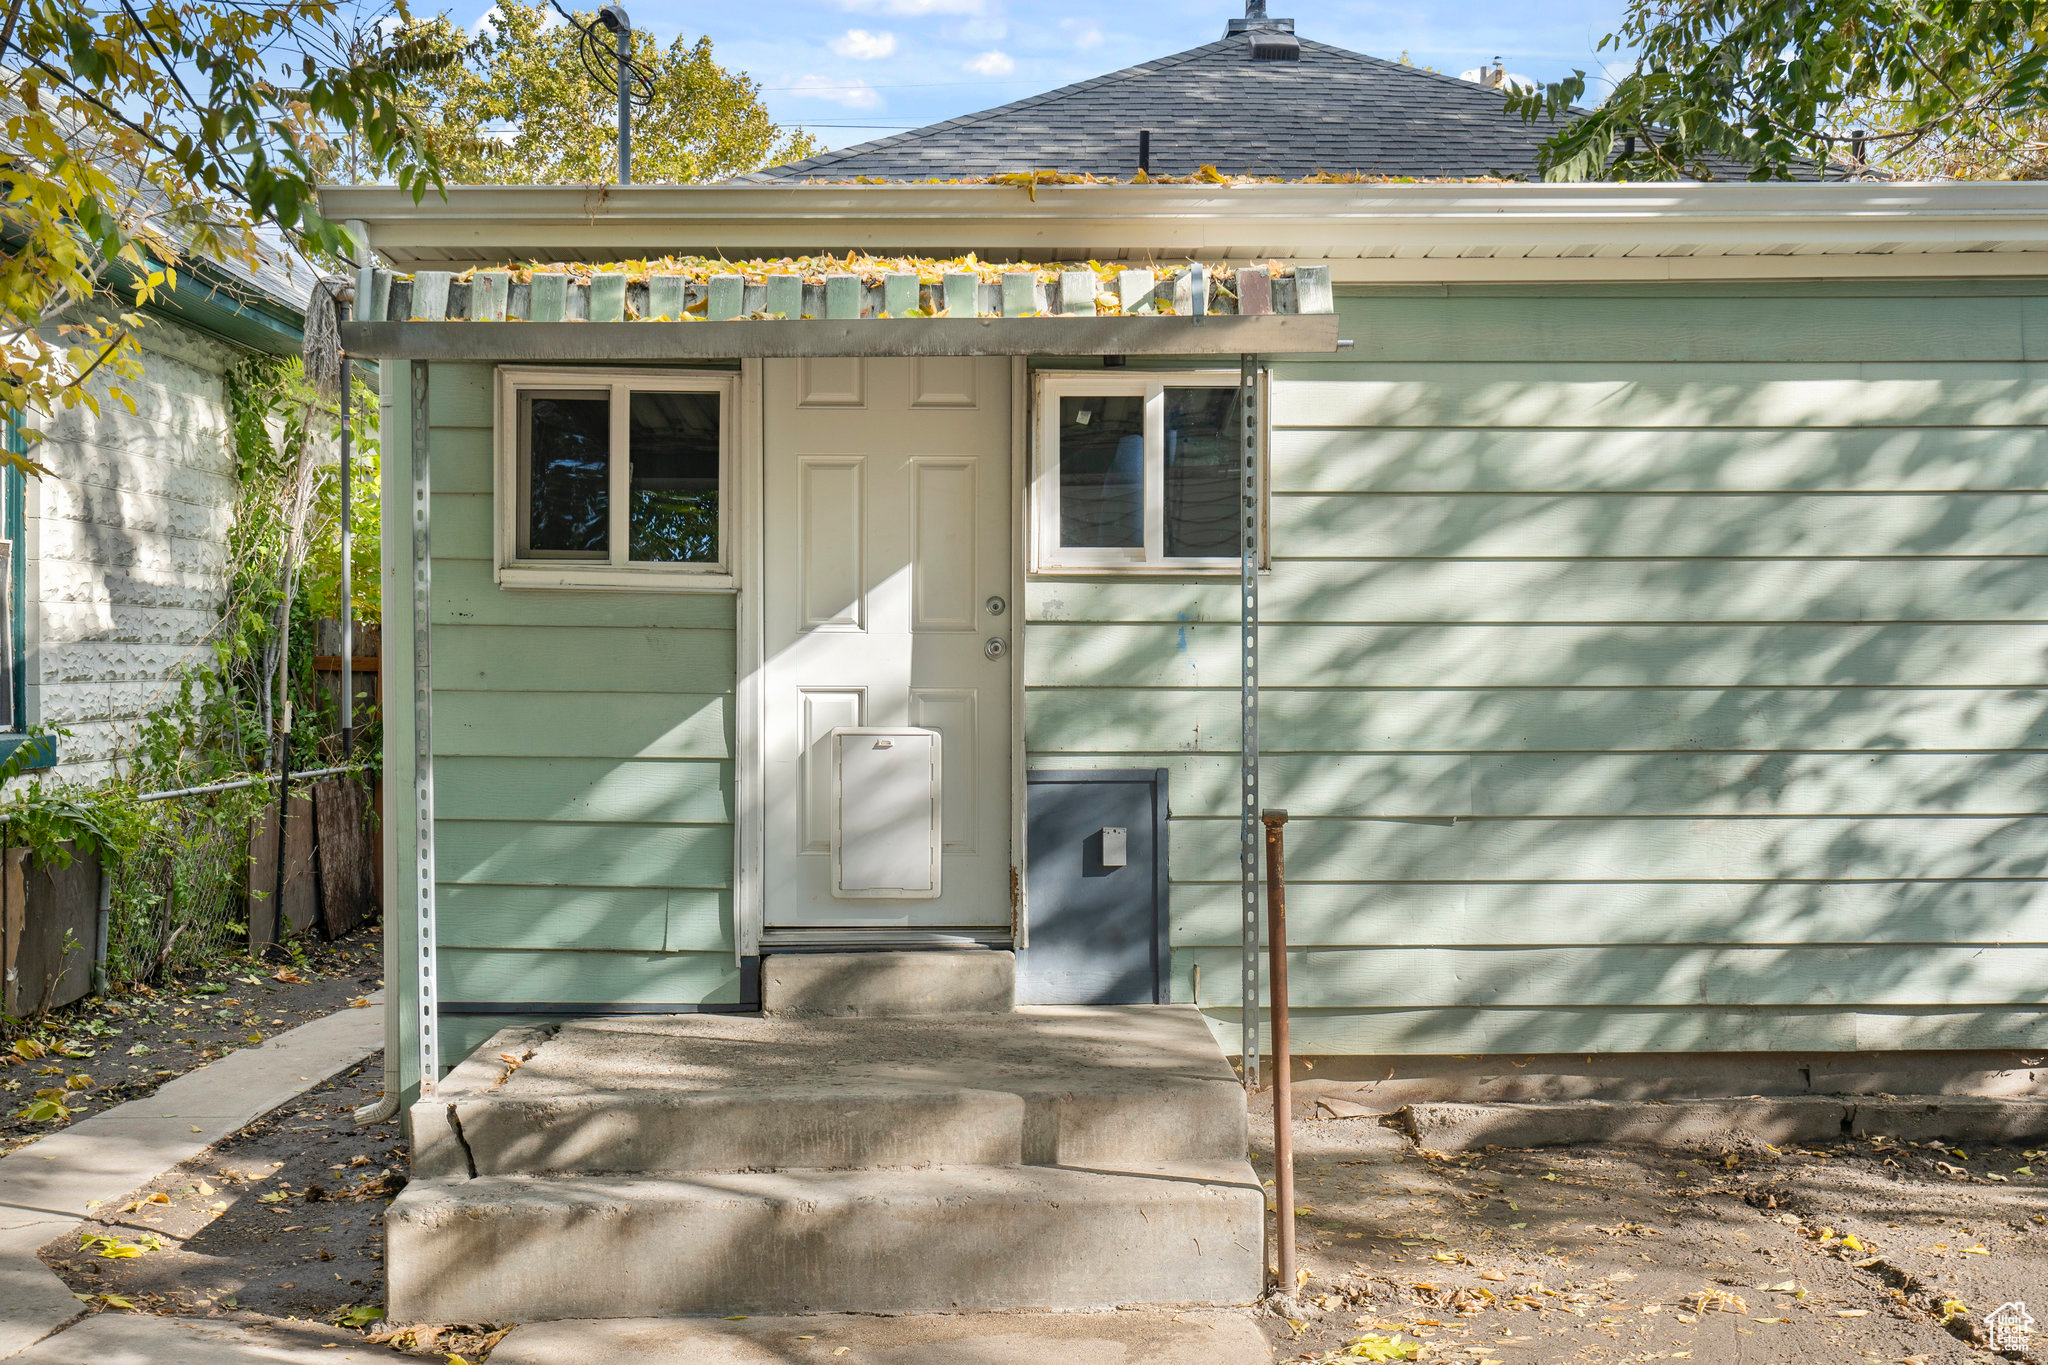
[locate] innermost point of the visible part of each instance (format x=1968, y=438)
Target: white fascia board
x=1393, y=232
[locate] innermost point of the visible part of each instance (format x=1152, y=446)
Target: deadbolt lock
x=995, y=647
x=997, y=606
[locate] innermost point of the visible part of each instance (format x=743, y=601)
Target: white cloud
x=857, y=44
x=978, y=30
x=992, y=64
x=1082, y=34
x=486, y=24
x=851, y=94
x=913, y=8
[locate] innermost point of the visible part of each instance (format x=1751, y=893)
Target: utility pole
x=614, y=18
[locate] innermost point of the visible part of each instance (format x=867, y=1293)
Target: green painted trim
x=208, y=299
x=44, y=745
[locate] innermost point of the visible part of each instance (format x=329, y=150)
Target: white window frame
x=1047, y=554
x=618, y=571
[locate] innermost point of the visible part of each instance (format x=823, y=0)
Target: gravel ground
x=1864, y=1251
x=101, y=1052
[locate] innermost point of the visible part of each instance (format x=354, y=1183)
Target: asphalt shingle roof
x=1333, y=111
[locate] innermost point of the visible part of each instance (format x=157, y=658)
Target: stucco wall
x=127, y=546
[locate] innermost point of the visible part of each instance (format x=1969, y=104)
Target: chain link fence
x=183, y=898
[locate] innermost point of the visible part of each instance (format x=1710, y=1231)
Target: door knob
x=995, y=647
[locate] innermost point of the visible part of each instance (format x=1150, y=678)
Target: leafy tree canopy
x=522, y=105
x=1954, y=87
x=138, y=133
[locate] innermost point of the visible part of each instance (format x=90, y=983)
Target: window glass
x=568, y=447
x=1204, y=435
x=672, y=508
x=1102, y=471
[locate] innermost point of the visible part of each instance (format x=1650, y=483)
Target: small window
x=1139, y=471
x=614, y=478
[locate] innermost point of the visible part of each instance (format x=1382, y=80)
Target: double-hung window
x=1139, y=471
x=617, y=478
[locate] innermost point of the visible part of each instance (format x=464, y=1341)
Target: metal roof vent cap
x=1270, y=40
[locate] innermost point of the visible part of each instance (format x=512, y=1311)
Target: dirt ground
x=279, y=1227
x=125, y=1046
x=1860, y=1252
x=1864, y=1252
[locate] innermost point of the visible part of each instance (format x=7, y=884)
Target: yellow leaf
x=1976, y=1251
x=1852, y=1312
x=2024, y=1170
x=1993, y=1175
x=1851, y=1244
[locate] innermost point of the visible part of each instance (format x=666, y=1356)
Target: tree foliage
x=521, y=105
x=139, y=133
x=1783, y=87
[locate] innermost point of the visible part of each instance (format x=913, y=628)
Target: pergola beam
x=612, y=342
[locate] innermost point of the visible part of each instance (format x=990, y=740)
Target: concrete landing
x=1072, y=1085
x=1137, y=1337
x=876, y=985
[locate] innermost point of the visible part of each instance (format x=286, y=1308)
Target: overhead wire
x=599, y=54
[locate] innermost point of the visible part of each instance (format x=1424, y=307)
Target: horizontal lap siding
x=1683, y=689
x=583, y=771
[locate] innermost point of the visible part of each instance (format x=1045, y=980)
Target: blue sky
x=851, y=70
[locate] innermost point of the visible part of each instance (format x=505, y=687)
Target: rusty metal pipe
x=1283, y=1055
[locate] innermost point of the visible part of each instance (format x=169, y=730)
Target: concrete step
x=1151, y=1336
x=878, y=985
x=1077, y=1087
x=942, y=1239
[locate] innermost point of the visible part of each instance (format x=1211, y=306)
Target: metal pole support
x=423, y=734
x=1248, y=710
x=1283, y=1052
x=348, y=541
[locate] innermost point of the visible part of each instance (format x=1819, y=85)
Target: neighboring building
x=118, y=558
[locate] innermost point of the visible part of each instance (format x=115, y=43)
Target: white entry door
x=886, y=549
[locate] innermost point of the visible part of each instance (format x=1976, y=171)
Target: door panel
x=886, y=530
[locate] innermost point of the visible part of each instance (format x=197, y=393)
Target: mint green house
x=890, y=585
x=1652, y=619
